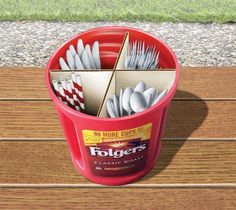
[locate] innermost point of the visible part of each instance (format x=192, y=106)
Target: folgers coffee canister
x=114, y=151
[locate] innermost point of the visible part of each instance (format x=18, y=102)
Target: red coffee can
x=114, y=151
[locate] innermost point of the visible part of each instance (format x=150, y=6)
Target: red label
x=116, y=153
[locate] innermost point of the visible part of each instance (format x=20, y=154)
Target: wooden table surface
x=196, y=169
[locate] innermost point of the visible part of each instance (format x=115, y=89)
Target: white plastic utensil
x=153, y=91
x=110, y=108
x=139, y=57
x=63, y=64
x=160, y=96
x=149, y=100
x=85, y=60
x=138, y=102
x=96, y=54
x=127, y=58
x=72, y=50
x=126, y=99
x=80, y=47
x=89, y=53
x=134, y=100
x=120, y=102
x=156, y=61
x=70, y=59
x=116, y=105
x=78, y=63
x=140, y=87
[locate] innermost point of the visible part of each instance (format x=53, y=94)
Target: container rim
x=102, y=119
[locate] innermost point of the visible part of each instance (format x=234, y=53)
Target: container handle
x=71, y=135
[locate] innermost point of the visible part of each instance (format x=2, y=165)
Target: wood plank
x=118, y=198
x=186, y=119
x=29, y=119
x=22, y=82
x=201, y=119
x=207, y=83
x=191, y=162
x=193, y=82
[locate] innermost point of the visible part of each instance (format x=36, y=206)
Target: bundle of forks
x=140, y=57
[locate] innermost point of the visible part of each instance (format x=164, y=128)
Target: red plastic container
x=137, y=158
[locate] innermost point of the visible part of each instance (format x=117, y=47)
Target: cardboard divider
x=121, y=79
x=120, y=63
x=158, y=79
x=94, y=83
x=100, y=84
x=110, y=90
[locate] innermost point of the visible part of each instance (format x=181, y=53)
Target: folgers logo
x=116, y=153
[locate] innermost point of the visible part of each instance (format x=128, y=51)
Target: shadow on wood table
x=181, y=120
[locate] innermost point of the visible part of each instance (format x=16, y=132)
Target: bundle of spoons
x=133, y=100
x=83, y=58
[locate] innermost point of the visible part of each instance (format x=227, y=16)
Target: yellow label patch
x=92, y=137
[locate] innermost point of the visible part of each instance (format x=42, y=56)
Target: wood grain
x=207, y=82
x=117, y=198
x=180, y=162
x=26, y=113
x=186, y=119
x=22, y=82
x=204, y=82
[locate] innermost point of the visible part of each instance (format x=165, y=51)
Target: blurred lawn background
x=220, y=11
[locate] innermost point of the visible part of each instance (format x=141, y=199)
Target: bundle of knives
x=83, y=58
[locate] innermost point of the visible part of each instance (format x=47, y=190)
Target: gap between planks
x=200, y=185
x=164, y=139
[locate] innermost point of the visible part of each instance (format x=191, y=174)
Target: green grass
x=220, y=11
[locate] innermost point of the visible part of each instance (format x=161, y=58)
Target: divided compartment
x=110, y=45
x=165, y=62
x=94, y=83
x=121, y=79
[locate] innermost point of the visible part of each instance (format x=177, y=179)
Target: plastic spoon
x=120, y=102
x=116, y=105
x=149, y=100
x=138, y=102
x=152, y=91
x=140, y=87
x=110, y=108
x=126, y=99
x=63, y=64
x=160, y=96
